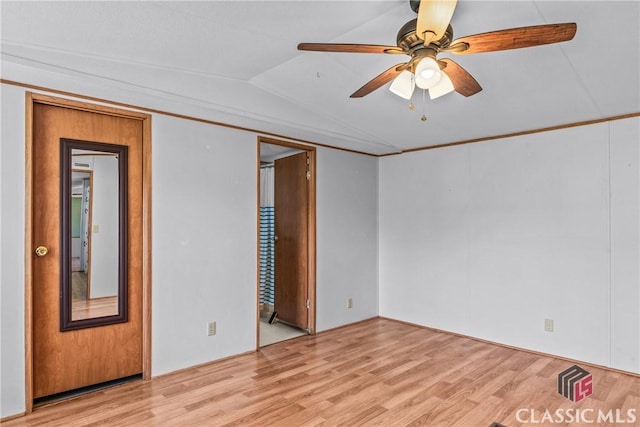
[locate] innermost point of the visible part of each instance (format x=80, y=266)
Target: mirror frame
x=66, y=149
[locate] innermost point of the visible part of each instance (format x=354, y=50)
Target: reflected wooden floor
x=83, y=308
x=97, y=307
x=378, y=372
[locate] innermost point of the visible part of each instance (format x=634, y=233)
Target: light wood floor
x=378, y=372
x=97, y=307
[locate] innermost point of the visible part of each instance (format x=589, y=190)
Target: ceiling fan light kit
x=444, y=86
x=430, y=34
x=427, y=73
x=403, y=85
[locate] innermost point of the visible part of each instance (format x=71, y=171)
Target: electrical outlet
x=548, y=325
x=350, y=303
x=211, y=328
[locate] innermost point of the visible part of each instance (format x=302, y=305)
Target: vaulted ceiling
x=237, y=62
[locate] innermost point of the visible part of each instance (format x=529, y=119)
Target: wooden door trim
x=28, y=258
x=311, y=239
x=311, y=232
x=34, y=98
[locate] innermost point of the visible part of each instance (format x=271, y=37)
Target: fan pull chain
x=424, y=116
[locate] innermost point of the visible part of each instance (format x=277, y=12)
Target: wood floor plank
x=376, y=373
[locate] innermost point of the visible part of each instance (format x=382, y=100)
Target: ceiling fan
x=428, y=35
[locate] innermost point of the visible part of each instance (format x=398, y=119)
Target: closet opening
x=286, y=237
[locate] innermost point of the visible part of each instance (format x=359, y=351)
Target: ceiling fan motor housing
x=408, y=39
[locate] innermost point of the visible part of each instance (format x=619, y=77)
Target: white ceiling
x=236, y=61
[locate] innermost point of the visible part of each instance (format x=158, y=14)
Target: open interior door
x=291, y=200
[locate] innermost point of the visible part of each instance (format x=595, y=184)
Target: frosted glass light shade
x=427, y=73
x=403, y=85
x=443, y=87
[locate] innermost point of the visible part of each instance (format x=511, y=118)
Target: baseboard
x=12, y=417
x=335, y=328
x=200, y=365
x=538, y=353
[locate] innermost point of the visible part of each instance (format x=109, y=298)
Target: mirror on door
x=93, y=254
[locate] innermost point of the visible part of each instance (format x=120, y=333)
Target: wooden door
x=68, y=360
x=291, y=200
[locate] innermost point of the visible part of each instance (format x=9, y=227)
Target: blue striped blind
x=267, y=254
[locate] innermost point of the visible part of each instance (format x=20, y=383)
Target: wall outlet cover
x=211, y=328
x=548, y=325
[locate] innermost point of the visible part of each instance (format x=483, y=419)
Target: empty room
x=320, y=213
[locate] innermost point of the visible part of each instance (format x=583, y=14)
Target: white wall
x=490, y=239
x=625, y=245
x=204, y=240
x=204, y=244
x=12, y=252
x=347, y=238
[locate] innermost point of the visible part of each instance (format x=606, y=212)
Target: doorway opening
x=286, y=236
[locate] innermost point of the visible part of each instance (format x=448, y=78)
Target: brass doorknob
x=41, y=250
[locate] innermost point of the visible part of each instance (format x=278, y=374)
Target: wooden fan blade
x=463, y=82
x=350, y=48
x=433, y=19
x=514, y=38
x=380, y=80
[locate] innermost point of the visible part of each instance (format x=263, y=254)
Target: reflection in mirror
x=94, y=249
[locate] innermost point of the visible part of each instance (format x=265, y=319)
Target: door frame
x=311, y=233
x=37, y=98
